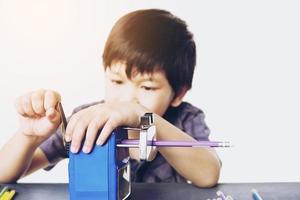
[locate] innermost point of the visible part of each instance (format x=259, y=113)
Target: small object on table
x=4, y=189
x=7, y=193
x=256, y=195
x=221, y=195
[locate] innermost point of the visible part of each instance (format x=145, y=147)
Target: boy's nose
x=129, y=95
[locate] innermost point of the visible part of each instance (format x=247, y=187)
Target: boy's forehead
x=117, y=68
x=120, y=69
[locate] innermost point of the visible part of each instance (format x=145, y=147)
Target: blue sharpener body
x=100, y=175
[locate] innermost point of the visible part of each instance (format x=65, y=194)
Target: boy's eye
x=148, y=88
x=118, y=82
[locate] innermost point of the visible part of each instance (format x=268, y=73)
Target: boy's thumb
x=53, y=115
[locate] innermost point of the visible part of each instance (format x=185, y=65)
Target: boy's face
x=153, y=91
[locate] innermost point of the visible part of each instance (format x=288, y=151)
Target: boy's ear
x=178, y=99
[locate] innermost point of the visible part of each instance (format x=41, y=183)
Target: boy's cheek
x=110, y=93
x=157, y=104
x=110, y=96
x=113, y=94
x=154, y=107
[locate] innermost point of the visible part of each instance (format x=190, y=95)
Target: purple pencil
x=172, y=143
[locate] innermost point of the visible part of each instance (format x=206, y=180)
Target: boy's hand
x=106, y=116
x=38, y=114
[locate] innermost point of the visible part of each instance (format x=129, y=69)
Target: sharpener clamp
x=147, y=133
x=147, y=130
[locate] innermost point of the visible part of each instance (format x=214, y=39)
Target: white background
x=247, y=77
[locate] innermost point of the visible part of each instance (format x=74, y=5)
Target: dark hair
x=152, y=40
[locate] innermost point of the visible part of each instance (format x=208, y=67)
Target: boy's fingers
x=53, y=115
x=108, y=128
x=19, y=107
x=78, y=135
x=91, y=133
x=71, y=124
x=51, y=99
x=37, y=102
x=27, y=107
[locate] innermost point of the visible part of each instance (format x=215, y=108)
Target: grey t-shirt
x=186, y=117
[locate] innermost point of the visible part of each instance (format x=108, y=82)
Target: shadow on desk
x=162, y=191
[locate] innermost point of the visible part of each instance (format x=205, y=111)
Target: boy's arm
x=19, y=157
x=39, y=161
x=39, y=119
x=199, y=165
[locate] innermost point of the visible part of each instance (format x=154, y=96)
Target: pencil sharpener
x=103, y=174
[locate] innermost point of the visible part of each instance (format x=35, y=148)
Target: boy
x=149, y=60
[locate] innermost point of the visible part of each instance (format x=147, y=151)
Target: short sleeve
x=54, y=150
x=189, y=119
x=194, y=125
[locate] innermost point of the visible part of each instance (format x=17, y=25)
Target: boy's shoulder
x=189, y=108
x=190, y=119
x=184, y=110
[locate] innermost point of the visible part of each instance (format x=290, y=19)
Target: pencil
x=255, y=195
x=10, y=195
x=4, y=189
x=4, y=195
x=173, y=143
